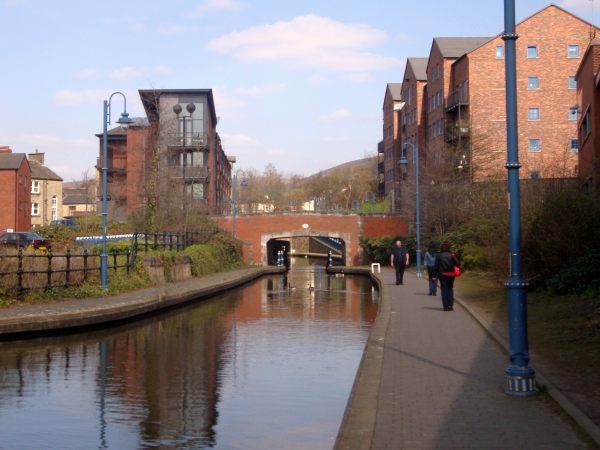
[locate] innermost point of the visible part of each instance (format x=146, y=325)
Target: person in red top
x=445, y=262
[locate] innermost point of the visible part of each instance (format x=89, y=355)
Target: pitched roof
x=77, y=199
x=455, y=47
x=11, y=161
x=419, y=67
x=395, y=90
x=41, y=172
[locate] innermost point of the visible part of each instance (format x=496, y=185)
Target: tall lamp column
x=123, y=120
x=520, y=376
x=404, y=162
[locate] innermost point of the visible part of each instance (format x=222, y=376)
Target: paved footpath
x=432, y=379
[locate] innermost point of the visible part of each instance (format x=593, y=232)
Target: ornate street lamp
x=404, y=162
x=123, y=120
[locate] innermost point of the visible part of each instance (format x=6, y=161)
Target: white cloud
x=126, y=72
x=208, y=5
x=361, y=77
x=336, y=116
x=76, y=98
x=171, y=29
x=10, y=3
x=86, y=73
x=577, y=4
x=259, y=91
x=163, y=69
x=138, y=27
x=310, y=41
x=228, y=105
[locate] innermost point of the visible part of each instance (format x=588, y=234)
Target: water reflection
x=266, y=366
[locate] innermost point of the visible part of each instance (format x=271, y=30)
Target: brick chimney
x=5, y=149
x=37, y=156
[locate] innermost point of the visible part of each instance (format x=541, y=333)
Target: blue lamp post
x=520, y=376
x=244, y=183
x=404, y=162
x=123, y=120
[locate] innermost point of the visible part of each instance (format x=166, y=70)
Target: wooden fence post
x=20, y=275
x=68, y=272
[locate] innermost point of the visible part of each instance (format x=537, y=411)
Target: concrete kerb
x=126, y=305
x=571, y=409
x=358, y=425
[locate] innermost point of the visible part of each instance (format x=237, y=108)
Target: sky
x=298, y=84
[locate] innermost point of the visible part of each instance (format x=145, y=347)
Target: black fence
x=23, y=271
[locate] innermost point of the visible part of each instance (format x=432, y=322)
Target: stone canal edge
x=77, y=313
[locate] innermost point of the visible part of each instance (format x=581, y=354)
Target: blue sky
x=298, y=84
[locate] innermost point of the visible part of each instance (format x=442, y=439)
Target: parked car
x=66, y=222
x=25, y=239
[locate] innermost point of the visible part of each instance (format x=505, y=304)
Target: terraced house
x=46, y=192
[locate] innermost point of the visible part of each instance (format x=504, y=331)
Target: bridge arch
x=256, y=230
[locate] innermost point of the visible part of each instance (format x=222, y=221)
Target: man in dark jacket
x=399, y=261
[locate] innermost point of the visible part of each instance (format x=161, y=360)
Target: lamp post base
x=520, y=381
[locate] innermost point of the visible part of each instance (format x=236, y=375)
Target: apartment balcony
x=457, y=130
x=188, y=173
x=458, y=98
x=188, y=140
x=117, y=165
x=381, y=188
x=380, y=147
x=381, y=167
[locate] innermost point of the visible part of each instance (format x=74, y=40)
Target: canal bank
x=434, y=379
x=78, y=313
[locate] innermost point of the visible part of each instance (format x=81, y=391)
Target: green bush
x=580, y=277
x=379, y=249
x=211, y=258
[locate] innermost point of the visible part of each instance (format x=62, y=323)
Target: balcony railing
x=188, y=139
x=380, y=147
x=458, y=98
x=189, y=172
x=381, y=167
x=456, y=130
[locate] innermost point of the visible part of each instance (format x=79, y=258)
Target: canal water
x=266, y=366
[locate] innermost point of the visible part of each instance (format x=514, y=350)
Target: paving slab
x=441, y=384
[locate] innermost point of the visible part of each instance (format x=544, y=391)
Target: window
x=573, y=145
x=572, y=82
x=584, y=127
x=532, y=51
x=533, y=83
x=54, y=207
x=534, y=174
x=533, y=114
x=499, y=51
x=573, y=115
x=573, y=51
x=35, y=209
x=35, y=187
x=534, y=145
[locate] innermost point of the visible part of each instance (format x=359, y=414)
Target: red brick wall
x=256, y=230
x=552, y=67
x=15, y=198
x=139, y=156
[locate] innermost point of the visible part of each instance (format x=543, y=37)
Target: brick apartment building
x=444, y=52
x=413, y=117
x=463, y=103
x=15, y=191
x=588, y=100
x=176, y=151
x=46, y=192
x=547, y=103
x=389, y=147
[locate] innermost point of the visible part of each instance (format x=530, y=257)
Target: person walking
x=429, y=260
x=399, y=260
x=445, y=264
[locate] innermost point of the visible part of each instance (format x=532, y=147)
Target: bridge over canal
x=258, y=232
